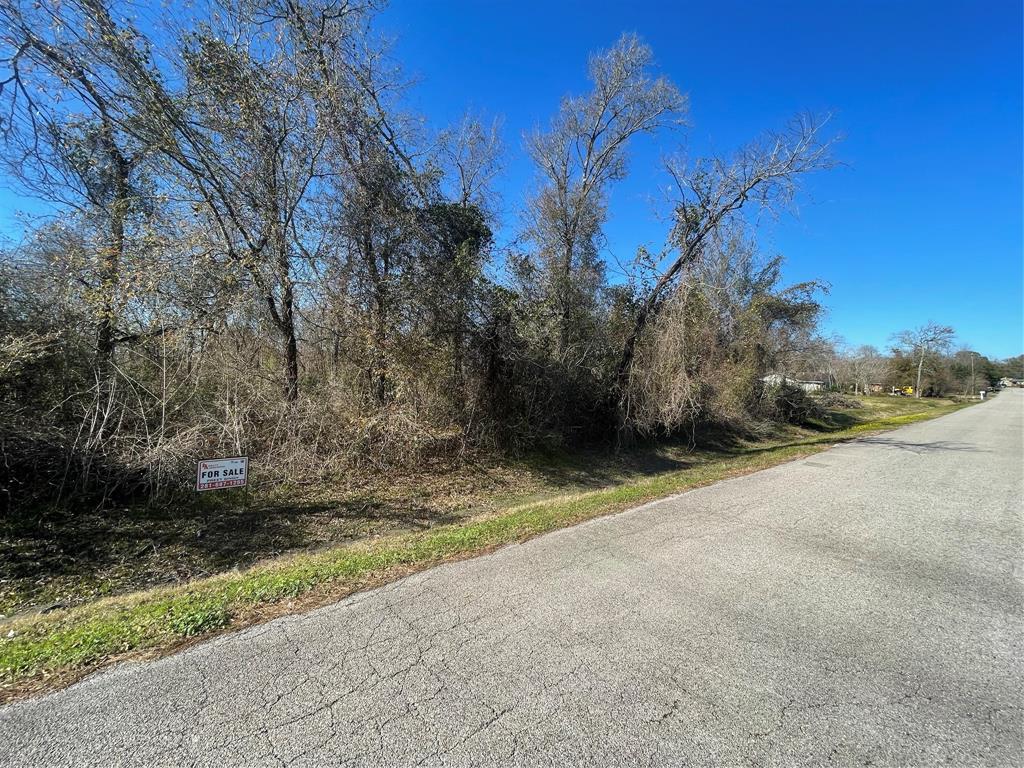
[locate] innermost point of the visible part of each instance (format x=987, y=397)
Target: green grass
x=51, y=649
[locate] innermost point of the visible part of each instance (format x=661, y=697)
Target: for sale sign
x=212, y=474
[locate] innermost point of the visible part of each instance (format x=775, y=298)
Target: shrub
x=792, y=404
x=838, y=400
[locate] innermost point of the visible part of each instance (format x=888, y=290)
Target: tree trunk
x=110, y=263
x=626, y=366
x=564, y=298
x=459, y=370
x=379, y=374
x=377, y=367
x=291, y=359
x=286, y=325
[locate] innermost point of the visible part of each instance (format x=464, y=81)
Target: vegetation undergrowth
x=52, y=649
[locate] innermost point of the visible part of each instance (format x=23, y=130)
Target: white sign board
x=212, y=474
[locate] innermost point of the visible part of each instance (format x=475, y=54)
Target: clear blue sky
x=924, y=223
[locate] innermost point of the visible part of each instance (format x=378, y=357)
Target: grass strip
x=53, y=649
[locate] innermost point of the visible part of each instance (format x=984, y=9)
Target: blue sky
x=924, y=222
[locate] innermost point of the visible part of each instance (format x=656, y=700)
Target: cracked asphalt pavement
x=862, y=606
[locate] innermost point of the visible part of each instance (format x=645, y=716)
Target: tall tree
x=578, y=158
x=64, y=143
x=376, y=189
x=240, y=131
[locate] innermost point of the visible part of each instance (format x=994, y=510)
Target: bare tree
x=711, y=193
x=64, y=144
x=921, y=343
x=470, y=153
x=238, y=132
x=580, y=155
x=868, y=365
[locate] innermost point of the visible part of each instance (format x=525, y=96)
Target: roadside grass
x=53, y=649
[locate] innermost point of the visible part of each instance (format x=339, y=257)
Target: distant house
x=777, y=380
x=1006, y=381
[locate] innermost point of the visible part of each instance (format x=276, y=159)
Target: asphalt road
x=862, y=606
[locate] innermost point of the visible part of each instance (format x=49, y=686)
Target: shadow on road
x=929, y=447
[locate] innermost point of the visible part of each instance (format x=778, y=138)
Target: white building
x=777, y=380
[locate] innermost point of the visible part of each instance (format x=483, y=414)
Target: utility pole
x=973, y=355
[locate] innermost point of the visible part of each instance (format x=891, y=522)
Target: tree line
x=258, y=248
x=925, y=359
